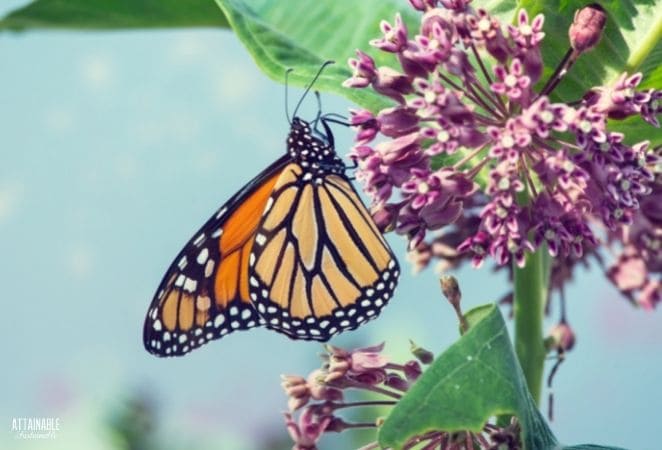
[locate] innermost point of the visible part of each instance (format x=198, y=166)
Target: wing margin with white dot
x=204, y=294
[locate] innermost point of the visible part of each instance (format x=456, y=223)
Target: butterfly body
x=295, y=250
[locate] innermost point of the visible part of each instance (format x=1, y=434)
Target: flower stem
x=529, y=301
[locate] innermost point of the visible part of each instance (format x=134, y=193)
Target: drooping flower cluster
x=319, y=397
x=496, y=165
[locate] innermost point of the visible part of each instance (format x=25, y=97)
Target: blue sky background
x=115, y=148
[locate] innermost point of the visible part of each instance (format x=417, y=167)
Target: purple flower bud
x=412, y=370
x=443, y=20
x=423, y=5
x=385, y=215
x=456, y=5
x=562, y=336
x=398, y=121
x=392, y=84
x=586, y=29
x=366, y=123
x=336, y=425
x=395, y=381
x=319, y=390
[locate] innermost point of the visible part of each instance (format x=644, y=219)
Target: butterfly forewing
x=319, y=265
x=205, y=292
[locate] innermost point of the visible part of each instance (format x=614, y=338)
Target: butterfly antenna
x=319, y=110
x=287, y=108
x=319, y=72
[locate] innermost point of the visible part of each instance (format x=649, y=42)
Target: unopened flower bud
x=562, y=337
x=452, y=292
x=336, y=425
x=413, y=370
x=297, y=390
x=385, y=216
x=395, y=381
x=423, y=355
x=418, y=4
x=451, y=289
x=318, y=388
x=586, y=29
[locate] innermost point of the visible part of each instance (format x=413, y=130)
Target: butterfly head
x=313, y=149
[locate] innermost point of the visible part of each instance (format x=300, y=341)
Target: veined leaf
x=477, y=378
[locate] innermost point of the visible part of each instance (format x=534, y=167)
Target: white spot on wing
x=199, y=240
x=202, y=256
x=190, y=285
x=209, y=268
x=221, y=212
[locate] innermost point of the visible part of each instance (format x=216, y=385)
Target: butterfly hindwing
x=319, y=265
x=204, y=295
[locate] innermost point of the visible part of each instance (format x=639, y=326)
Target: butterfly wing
x=204, y=295
x=319, y=264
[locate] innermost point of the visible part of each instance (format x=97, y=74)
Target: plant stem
x=530, y=296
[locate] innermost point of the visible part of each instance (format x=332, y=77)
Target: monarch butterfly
x=295, y=250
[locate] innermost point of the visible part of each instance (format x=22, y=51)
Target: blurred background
x=115, y=148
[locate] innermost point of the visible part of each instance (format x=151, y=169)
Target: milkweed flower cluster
x=518, y=170
x=317, y=399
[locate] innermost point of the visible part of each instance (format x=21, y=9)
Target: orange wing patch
x=235, y=244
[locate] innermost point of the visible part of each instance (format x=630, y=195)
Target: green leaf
x=477, y=378
x=277, y=39
x=114, y=14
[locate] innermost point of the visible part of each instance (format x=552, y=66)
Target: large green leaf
x=278, y=39
x=114, y=14
x=478, y=377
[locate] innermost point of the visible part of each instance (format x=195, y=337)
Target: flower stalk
x=530, y=297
